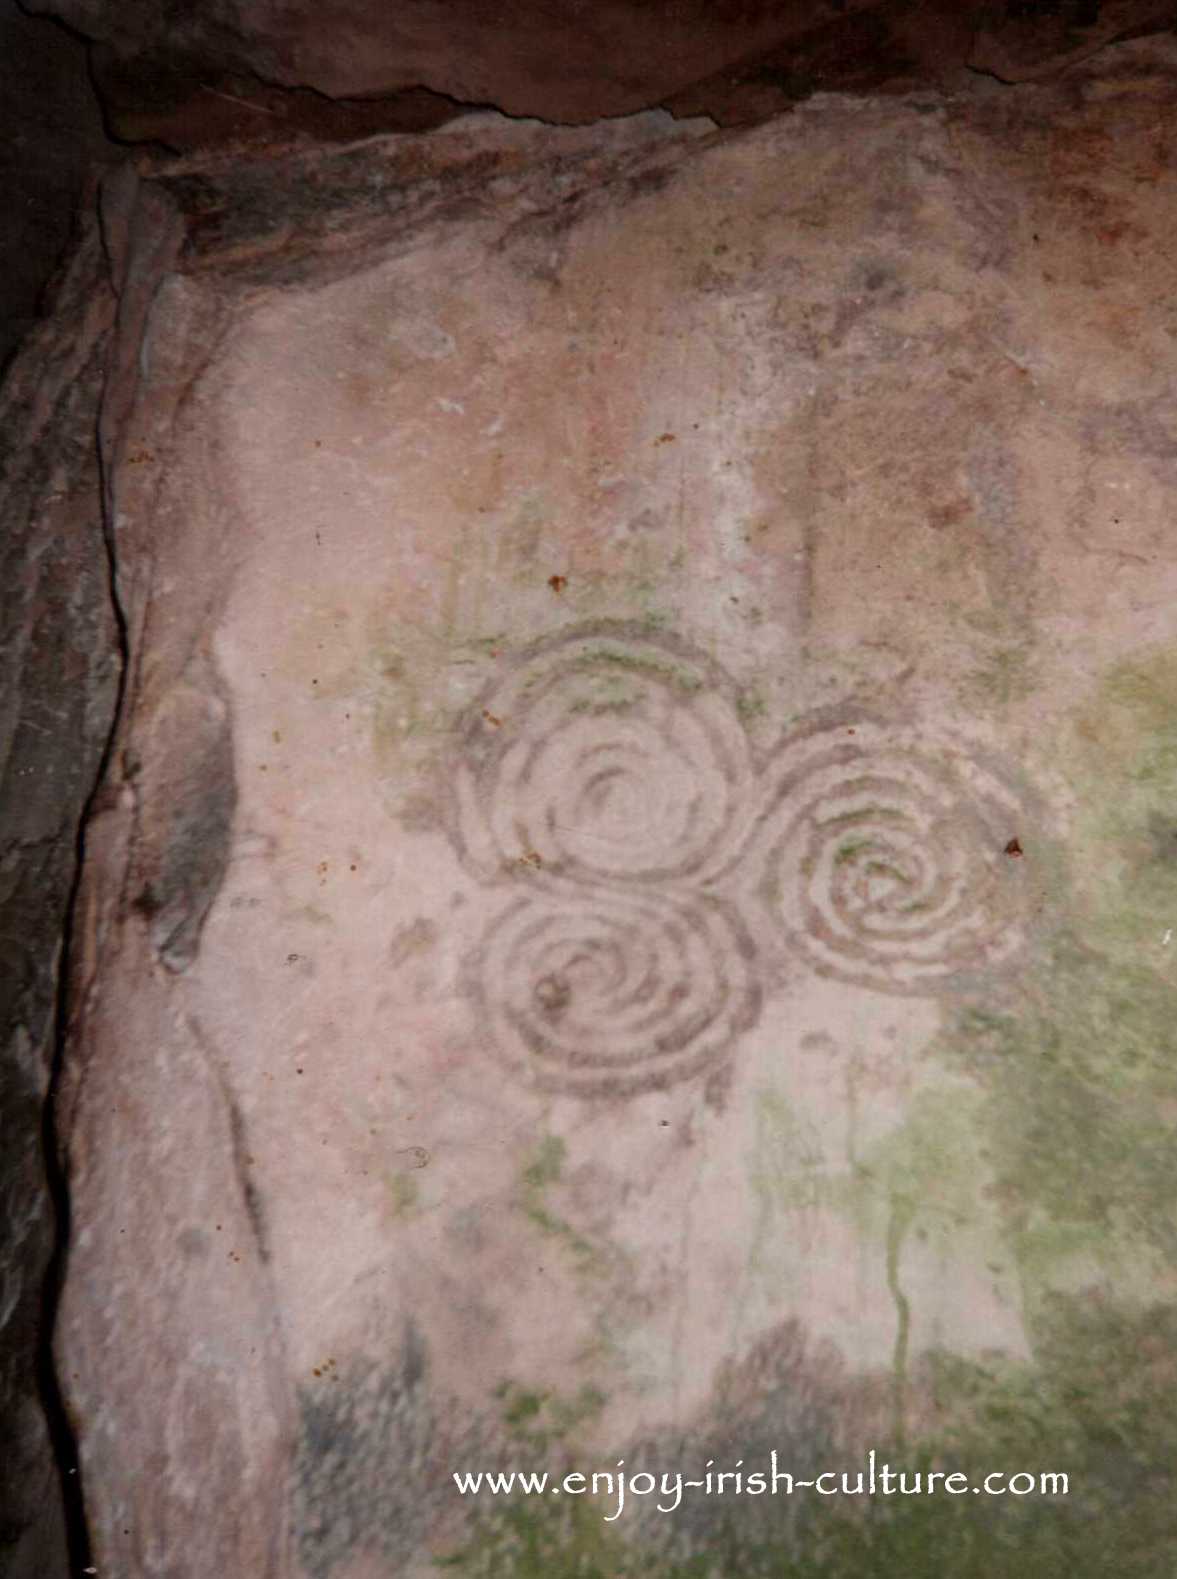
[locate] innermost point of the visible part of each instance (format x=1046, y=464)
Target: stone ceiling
x=223, y=70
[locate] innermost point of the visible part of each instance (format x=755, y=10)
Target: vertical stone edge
x=60, y=666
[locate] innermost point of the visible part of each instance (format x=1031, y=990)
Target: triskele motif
x=659, y=869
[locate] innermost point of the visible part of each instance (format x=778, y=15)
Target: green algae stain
x=1046, y=1128
x=403, y=1194
x=412, y=679
x=416, y=681
x=537, y=1177
x=788, y=1167
x=606, y=693
x=925, y=1177
x=526, y=1541
x=541, y=1419
x=1003, y=675
x=1079, y=1057
x=546, y=1165
x=1121, y=753
x=519, y=541
x=644, y=663
x=930, y=1163
x=1081, y=1071
x=1001, y=656
x=751, y=705
x=928, y=1171
x=1061, y=1130
x=1091, y=1408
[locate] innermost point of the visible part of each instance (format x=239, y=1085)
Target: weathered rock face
x=629, y=916
x=60, y=658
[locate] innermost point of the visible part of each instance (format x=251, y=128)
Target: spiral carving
x=881, y=857
x=607, y=778
x=614, y=991
x=603, y=755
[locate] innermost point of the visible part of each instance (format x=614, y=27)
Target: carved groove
x=880, y=857
x=615, y=991
x=661, y=872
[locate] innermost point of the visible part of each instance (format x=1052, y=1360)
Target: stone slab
x=631, y=915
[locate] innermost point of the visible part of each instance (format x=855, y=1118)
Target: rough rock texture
x=1034, y=40
x=631, y=910
x=50, y=135
x=59, y=657
x=222, y=69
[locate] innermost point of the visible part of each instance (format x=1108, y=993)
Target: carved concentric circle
x=882, y=857
x=607, y=778
x=604, y=754
x=614, y=991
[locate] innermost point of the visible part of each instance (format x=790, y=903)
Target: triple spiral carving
x=655, y=865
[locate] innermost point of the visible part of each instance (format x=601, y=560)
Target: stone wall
x=629, y=909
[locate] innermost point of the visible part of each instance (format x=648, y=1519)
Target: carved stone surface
x=630, y=913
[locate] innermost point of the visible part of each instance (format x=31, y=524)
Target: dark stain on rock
x=250, y=1194
x=192, y=1243
x=952, y=512
x=186, y=799
x=347, y=1499
x=418, y=1154
x=874, y=285
x=1162, y=840
x=373, y=1461
x=411, y=941
x=797, y=1398
x=648, y=183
